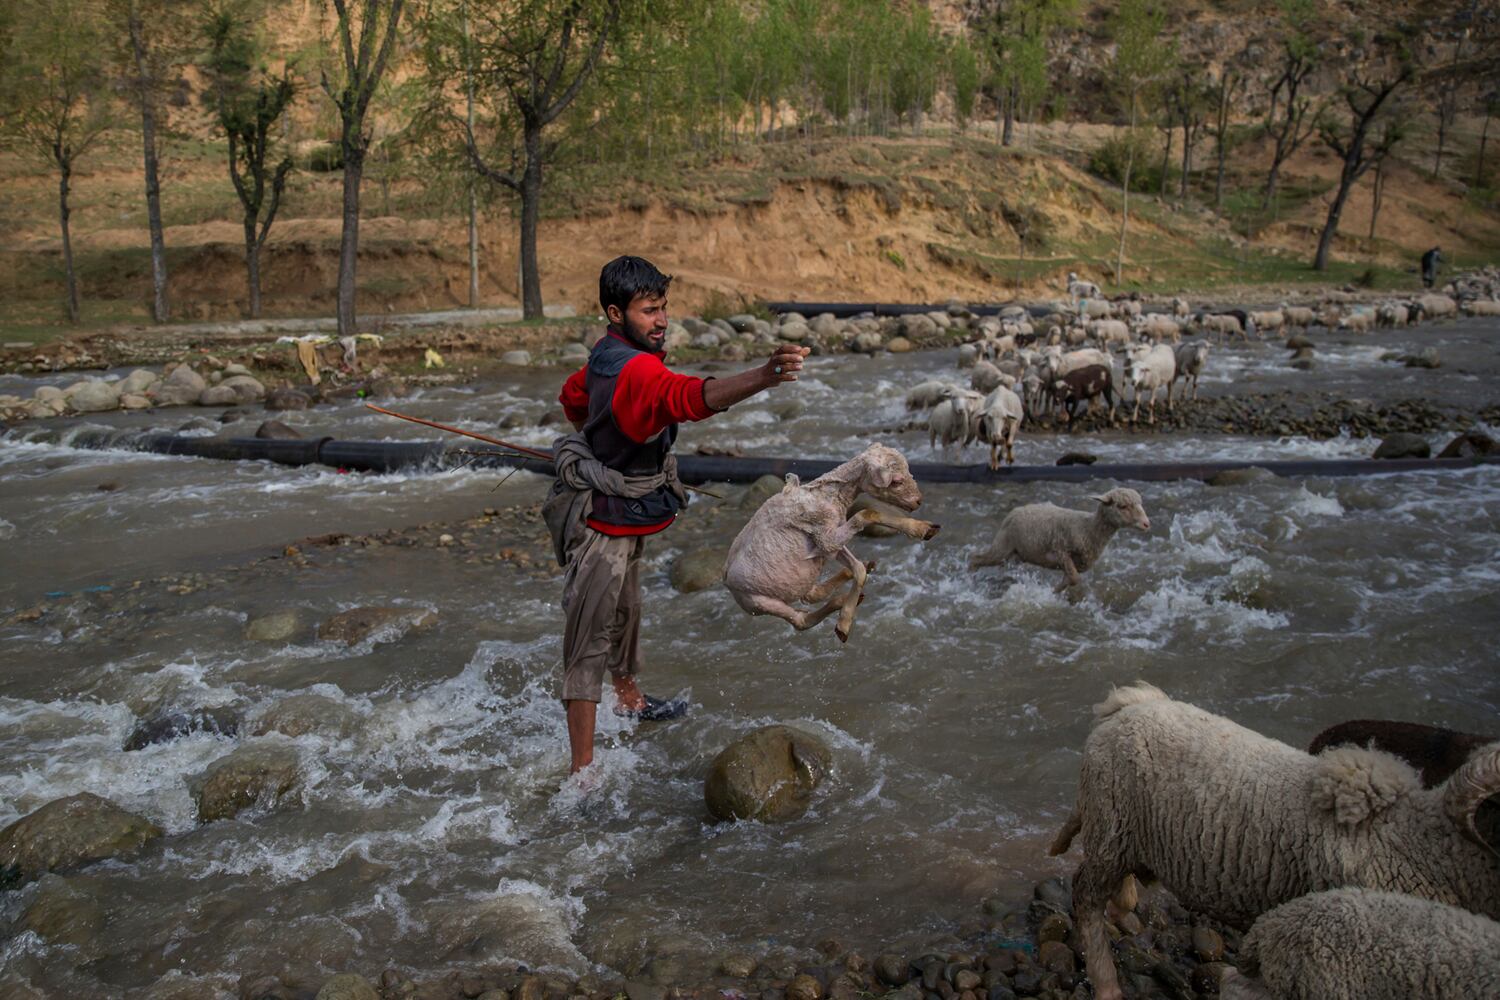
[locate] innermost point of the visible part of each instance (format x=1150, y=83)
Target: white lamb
x=1080, y=289
x=1158, y=327
x=1300, y=317
x=1357, y=322
x=999, y=420
x=778, y=556
x=925, y=395
x=1482, y=307
x=1180, y=307
x=1392, y=314
x=1235, y=823
x=1437, y=306
x=1361, y=944
x=1150, y=367
x=1191, y=360
x=985, y=377
x=1054, y=537
x=955, y=420
x=1109, y=331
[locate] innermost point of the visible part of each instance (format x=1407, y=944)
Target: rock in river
x=1403, y=445
x=347, y=986
x=171, y=724
x=277, y=626
x=697, y=569
x=301, y=714
x=357, y=624
x=252, y=775
x=768, y=775
x=69, y=833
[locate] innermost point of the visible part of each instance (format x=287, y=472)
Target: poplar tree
x=1140, y=59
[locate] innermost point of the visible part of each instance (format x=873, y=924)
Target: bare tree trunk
x=1484, y=136
x=1187, y=160
x=1166, y=159
x=1125, y=196
x=65, y=168
x=1331, y=226
x=473, y=194
x=531, y=210
x=1442, y=138
x=354, y=167
x=252, y=265
x=1008, y=135
x=1220, y=144
x=1376, y=196
x=159, y=310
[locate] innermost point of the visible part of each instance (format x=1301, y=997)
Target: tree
x=964, y=70
x=532, y=60
x=1291, y=118
x=365, y=35
x=1140, y=59
x=54, y=99
x=1372, y=80
x=1016, y=32
x=1463, y=23
x=1225, y=89
x=248, y=102
x=1189, y=99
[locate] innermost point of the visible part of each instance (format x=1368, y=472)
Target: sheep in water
x=999, y=420
x=778, y=556
x=1054, y=537
x=1359, y=944
x=1234, y=823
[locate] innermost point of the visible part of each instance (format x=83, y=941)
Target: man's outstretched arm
x=782, y=366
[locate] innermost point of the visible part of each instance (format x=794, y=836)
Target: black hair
x=623, y=278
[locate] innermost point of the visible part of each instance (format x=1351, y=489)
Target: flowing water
x=441, y=831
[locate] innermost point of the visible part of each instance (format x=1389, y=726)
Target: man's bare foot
x=629, y=695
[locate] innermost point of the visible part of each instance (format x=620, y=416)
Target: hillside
x=927, y=214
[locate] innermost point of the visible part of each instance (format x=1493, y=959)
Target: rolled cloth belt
x=579, y=474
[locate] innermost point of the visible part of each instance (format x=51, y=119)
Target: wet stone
x=1054, y=927
x=1207, y=944
x=69, y=833
x=1027, y=983
x=169, y=725
x=767, y=775
x=357, y=624
x=1055, y=956
x=737, y=965
x=967, y=979
x=1403, y=445
x=250, y=776
x=348, y=987
x=60, y=913
x=1055, y=893
x=301, y=714
x=277, y=626
x=891, y=969
x=697, y=569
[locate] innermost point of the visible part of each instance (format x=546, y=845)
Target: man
x=1430, y=261
x=625, y=405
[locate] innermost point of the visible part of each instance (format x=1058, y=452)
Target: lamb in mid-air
x=777, y=559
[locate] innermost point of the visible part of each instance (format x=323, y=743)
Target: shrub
x=1109, y=158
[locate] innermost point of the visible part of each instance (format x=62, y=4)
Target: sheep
x=1438, y=306
x=1224, y=324
x=925, y=395
x=1482, y=307
x=985, y=377
x=778, y=556
x=999, y=420
x=955, y=419
x=1180, y=307
x=1053, y=537
x=1360, y=944
x=1436, y=751
x=1357, y=322
x=1268, y=321
x=1083, y=385
x=1158, y=327
x=1080, y=289
x=1109, y=331
x=1082, y=358
x=1150, y=367
x=1235, y=823
x=1191, y=359
x=1298, y=316
x=1129, y=307
x=1391, y=314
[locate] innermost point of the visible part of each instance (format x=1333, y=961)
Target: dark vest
x=615, y=450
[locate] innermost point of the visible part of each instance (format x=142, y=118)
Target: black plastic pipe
x=390, y=456
x=843, y=310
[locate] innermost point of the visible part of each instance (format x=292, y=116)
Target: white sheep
x=1482, y=307
x=1391, y=314
x=1224, y=324
x=955, y=420
x=1191, y=360
x=1080, y=289
x=1180, y=307
x=1267, y=321
x=1437, y=306
x=1054, y=537
x=985, y=377
x=777, y=558
x=1109, y=331
x=1300, y=317
x=925, y=395
x=1150, y=367
x=999, y=419
x=1360, y=944
x=1159, y=327
x=1234, y=823
x=1357, y=322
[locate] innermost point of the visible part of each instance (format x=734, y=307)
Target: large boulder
x=179, y=388
x=246, y=388
x=698, y=569
x=518, y=358
x=218, y=395
x=358, y=624
x=138, y=382
x=61, y=913
x=70, y=833
x=285, y=398
x=301, y=714
x=166, y=725
x=275, y=430
x=250, y=776
x=93, y=396
x=1470, y=444
x=347, y=986
x=767, y=775
x=760, y=491
x=275, y=626
x=1403, y=445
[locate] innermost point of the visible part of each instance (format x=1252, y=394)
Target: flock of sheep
x=1027, y=367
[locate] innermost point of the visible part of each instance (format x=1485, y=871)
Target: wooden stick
x=532, y=452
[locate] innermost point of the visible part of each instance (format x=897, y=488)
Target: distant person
x=617, y=483
x=1430, y=261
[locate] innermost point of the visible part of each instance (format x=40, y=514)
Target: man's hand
x=784, y=364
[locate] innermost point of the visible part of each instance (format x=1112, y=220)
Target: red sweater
x=649, y=397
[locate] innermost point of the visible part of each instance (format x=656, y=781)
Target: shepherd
x=617, y=484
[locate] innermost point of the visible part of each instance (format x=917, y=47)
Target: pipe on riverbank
x=391, y=456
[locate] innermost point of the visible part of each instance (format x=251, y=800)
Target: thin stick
x=532, y=452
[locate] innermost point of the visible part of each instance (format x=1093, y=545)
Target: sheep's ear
x=884, y=478
x=1102, y=498
x=1356, y=784
x=792, y=482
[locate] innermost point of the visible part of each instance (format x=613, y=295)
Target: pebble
x=1207, y=944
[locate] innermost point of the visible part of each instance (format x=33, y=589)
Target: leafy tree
x=355, y=59
x=55, y=98
x=248, y=102
x=1225, y=89
x=1189, y=100
x=964, y=70
x=1016, y=33
x=1140, y=59
x=1372, y=80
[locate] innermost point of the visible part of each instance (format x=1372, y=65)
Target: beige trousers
x=602, y=608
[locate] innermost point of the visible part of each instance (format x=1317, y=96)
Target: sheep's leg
x=1092, y=887
x=922, y=531
x=1070, y=573
x=821, y=591
x=761, y=604
x=994, y=456
x=854, y=595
